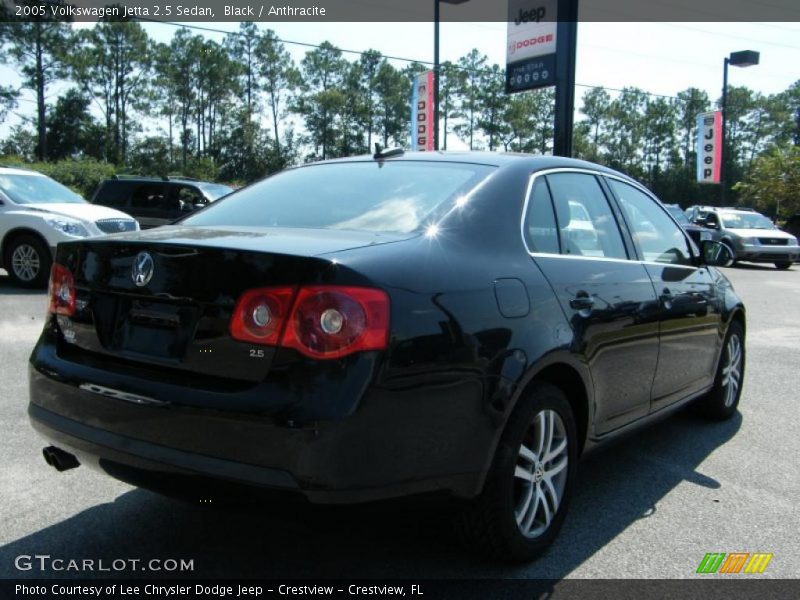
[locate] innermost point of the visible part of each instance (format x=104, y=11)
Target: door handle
x=582, y=301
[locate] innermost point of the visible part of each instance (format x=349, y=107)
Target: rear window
x=396, y=197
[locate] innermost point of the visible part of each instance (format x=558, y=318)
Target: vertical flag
x=709, y=147
x=422, y=112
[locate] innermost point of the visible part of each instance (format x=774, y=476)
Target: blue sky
x=661, y=58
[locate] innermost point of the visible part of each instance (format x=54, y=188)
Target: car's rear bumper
x=395, y=444
x=769, y=254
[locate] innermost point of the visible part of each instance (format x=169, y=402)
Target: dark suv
x=153, y=201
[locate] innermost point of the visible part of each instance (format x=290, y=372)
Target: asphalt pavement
x=650, y=506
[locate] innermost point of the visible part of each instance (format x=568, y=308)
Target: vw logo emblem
x=142, y=270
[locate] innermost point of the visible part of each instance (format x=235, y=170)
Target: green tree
x=279, y=76
x=392, y=110
x=113, y=63
x=691, y=102
x=452, y=79
x=37, y=47
x=71, y=130
x=322, y=72
x=469, y=94
x=596, y=107
x=242, y=47
x=20, y=143
x=773, y=183
x=494, y=103
x=8, y=100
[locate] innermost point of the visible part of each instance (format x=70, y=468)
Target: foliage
x=773, y=183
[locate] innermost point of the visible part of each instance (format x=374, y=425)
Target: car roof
x=20, y=171
x=496, y=159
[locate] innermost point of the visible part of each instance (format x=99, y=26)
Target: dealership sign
x=422, y=113
x=531, y=44
x=709, y=147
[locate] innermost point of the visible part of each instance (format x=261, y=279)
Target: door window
x=586, y=224
x=658, y=237
x=187, y=198
x=540, y=229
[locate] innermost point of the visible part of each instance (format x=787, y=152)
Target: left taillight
x=318, y=321
x=62, y=291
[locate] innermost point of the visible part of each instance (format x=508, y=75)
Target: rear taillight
x=261, y=314
x=317, y=321
x=62, y=291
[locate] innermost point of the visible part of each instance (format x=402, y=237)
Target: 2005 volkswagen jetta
x=385, y=326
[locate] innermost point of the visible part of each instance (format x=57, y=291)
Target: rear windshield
x=373, y=196
x=34, y=189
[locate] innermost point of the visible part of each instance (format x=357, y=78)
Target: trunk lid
x=179, y=318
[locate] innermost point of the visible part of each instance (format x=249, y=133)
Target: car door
x=608, y=299
x=689, y=316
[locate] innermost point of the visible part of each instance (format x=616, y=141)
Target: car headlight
x=751, y=241
x=68, y=227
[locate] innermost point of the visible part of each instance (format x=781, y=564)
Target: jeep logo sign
x=709, y=147
x=531, y=29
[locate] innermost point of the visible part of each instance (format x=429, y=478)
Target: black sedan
x=385, y=326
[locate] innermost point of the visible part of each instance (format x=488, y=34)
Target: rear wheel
x=721, y=402
x=733, y=252
x=526, y=494
x=783, y=265
x=28, y=261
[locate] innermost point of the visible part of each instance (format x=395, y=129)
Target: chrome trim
x=120, y=395
x=631, y=182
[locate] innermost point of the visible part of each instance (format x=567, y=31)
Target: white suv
x=36, y=213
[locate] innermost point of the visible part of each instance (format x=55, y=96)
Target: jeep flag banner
x=531, y=44
x=709, y=147
x=422, y=113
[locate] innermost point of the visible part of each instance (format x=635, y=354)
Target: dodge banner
x=422, y=113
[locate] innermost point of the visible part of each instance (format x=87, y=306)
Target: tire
x=28, y=261
x=733, y=252
x=783, y=265
x=721, y=402
x=509, y=519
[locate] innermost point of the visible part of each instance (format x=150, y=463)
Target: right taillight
x=62, y=291
x=318, y=321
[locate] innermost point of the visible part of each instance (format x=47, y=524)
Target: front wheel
x=783, y=265
x=28, y=262
x=526, y=494
x=721, y=402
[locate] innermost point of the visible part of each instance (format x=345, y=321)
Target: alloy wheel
x=540, y=474
x=732, y=371
x=25, y=262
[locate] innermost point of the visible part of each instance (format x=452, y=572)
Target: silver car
x=751, y=236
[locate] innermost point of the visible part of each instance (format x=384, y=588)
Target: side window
x=186, y=198
x=585, y=221
x=658, y=237
x=541, y=232
x=147, y=195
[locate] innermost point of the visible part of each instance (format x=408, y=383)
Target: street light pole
x=743, y=58
x=435, y=74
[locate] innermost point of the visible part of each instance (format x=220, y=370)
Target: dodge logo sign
x=142, y=270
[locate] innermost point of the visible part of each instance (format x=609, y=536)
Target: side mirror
x=716, y=254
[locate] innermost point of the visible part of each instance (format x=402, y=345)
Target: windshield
x=745, y=221
x=35, y=189
x=679, y=215
x=215, y=190
x=372, y=196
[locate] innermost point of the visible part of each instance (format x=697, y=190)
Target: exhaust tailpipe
x=59, y=460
